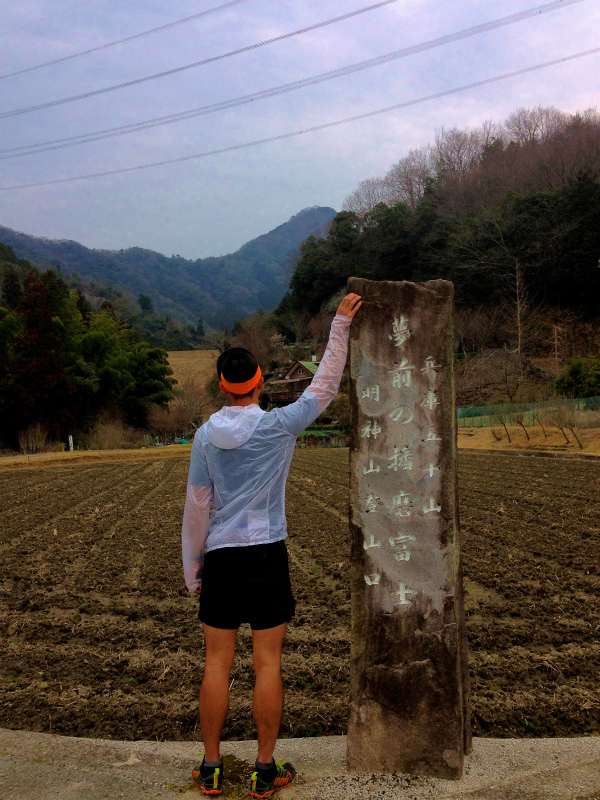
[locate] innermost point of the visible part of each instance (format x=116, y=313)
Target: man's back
x=244, y=454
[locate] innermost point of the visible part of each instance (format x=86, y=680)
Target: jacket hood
x=232, y=426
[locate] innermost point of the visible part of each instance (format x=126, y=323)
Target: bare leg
x=214, y=692
x=268, y=689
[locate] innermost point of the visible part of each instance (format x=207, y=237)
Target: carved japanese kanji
x=409, y=675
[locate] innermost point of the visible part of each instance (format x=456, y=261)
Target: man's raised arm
x=326, y=383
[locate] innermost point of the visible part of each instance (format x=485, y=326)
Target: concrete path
x=37, y=766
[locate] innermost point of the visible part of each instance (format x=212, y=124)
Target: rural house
x=294, y=382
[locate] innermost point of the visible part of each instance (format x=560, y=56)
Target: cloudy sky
x=213, y=205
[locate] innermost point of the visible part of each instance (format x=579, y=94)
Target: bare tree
x=519, y=417
x=162, y=422
x=557, y=416
x=408, y=178
x=298, y=323
x=216, y=340
x=33, y=439
x=490, y=375
x=319, y=327
x=518, y=306
x=590, y=115
x=190, y=404
x=366, y=196
x=560, y=329
x=185, y=412
x=501, y=416
x=567, y=415
x=477, y=380
x=479, y=328
x=551, y=148
x=111, y=434
x=512, y=375
x=534, y=125
x=539, y=417
x=458, y=152
x=495, y=247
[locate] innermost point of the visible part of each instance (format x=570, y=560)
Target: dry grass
x=111, y=435
x=468, y=439
x=553, y=442
x=14, y=461
x=196, y=364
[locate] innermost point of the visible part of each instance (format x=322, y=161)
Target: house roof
x=287, y=381
x=311, y=366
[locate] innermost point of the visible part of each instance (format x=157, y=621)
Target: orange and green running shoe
x=281, y=776
x=209, y=779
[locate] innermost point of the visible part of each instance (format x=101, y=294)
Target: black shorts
x=247, y=584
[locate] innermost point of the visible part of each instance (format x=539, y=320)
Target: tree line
x=510, y=213
x=63, y=365
x=497, y=210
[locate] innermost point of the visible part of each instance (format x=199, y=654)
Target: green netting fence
x=488, y=416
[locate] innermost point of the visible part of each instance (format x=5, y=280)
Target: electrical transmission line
x=15, y=112
x=107, y=133
x=312, y=129
x=56, y=14
x=165, y=27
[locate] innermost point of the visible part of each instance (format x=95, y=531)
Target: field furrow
x=102, y=638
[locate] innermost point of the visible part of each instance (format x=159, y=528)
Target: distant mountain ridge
x=218, y=289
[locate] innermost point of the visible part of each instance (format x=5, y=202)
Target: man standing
x=237, y=561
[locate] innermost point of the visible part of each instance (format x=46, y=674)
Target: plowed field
x=101, y=639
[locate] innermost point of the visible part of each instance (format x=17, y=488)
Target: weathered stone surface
x=409, y=673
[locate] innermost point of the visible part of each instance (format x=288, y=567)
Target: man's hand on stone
x=350, y=305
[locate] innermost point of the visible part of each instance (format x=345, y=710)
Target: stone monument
x=409, y=708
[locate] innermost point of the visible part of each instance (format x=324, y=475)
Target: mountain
x=220, y=289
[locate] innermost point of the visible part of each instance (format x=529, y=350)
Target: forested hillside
x=510, y=213
x=217, y=290
x=64, y=365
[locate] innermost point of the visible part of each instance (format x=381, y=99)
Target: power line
x=314, y=128
x=17, y=111
x=108, y=133
x=122, y=41
x=56, y=14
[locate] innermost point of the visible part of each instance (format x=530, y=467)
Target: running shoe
x=209, y=779
x=283, y=775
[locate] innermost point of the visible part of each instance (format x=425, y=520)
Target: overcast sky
x=213, y=205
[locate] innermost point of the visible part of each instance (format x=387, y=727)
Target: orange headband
x=242, y=388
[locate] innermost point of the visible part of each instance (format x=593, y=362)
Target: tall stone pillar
x=409, y=674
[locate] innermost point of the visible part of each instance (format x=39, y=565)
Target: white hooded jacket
x=240, y=461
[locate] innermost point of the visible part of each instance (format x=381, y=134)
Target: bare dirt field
x=101, y=639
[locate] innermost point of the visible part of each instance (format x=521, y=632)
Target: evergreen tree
x=581, y=378
x=151, y=383
x=83, y=306
x=146, y=304
x=11, y=289
x=39, y=388
x=7, y=254
x=57, y=290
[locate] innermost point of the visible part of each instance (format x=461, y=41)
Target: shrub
x=33, y=439
x=110, y=435
x=580, y=379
